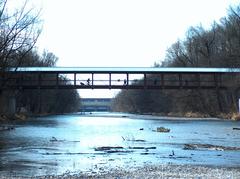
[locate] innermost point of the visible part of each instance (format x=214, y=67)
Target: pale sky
x=133, y=33
x=121, y=32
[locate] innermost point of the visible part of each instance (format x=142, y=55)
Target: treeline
x=46, y=100
x=19, y=32
x=218, y=46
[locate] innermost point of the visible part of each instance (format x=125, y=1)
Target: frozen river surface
x=103, y=141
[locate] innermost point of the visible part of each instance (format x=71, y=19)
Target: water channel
x=102, y=141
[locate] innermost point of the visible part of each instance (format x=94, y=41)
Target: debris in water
x=139, y=140
x=171, y=155
x=145, y=153
x=53, y=139
x=162, y=129
x=150, y=147
x=189, y=147
x=146, y=148
x=236, y=128
x=133, y=140
x=109, y=149
x=105, y=148
x=136, y=147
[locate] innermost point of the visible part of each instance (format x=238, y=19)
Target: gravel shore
x=166, y=171
x=158, y=172
x=170, y=171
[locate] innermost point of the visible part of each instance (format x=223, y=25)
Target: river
x=97, y=142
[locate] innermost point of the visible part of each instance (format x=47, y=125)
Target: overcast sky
x=120, y=32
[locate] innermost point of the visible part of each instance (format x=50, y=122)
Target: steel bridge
x=117, y=78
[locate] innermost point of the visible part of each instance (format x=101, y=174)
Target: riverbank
x=15, y=117
x=149, y=172
x=196, y=115
x=24, y=116
x=163, y=116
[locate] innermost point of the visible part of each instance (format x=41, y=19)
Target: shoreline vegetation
x=228, y=116
x=193, y=115
x=25, y=116
x=20, y=30
x=214, y=47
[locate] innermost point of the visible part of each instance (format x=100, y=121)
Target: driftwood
x=236, y=128
x=106, y=148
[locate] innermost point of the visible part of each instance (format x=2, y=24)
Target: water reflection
x=56, y=144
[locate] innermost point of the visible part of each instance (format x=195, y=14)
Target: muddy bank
x=166, y=116
x=15, y=117
x=209, y=147
x=18, y=117
x=196, y=116
x=151, y=116
x=172, y=117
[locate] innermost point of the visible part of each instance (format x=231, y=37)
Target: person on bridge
x=88, y=81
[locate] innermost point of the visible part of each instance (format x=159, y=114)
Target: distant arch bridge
x=118, y=78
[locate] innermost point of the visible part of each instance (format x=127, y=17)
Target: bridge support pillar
x=8, y=103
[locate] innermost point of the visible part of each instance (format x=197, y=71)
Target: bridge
x=116, y=78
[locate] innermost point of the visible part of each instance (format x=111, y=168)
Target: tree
x=19, y=32
x=47, y=101
x=218, y=46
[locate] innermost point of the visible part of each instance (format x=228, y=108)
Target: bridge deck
x=117, y=78
x=123, y=70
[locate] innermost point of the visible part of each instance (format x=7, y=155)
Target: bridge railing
x=151, y=82
x=147, y=79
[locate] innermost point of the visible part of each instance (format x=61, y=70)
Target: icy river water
x=103, y=141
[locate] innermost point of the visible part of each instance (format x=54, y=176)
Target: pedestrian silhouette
x=88, y=81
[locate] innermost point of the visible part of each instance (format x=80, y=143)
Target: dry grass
x=189, y=114
x=21, y=117
x=236, y=116
x=192, y=114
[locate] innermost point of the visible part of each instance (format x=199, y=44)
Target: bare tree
x=218, y=46
x=19, y=32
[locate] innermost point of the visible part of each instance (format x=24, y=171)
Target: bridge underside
x=31, y=87
x=149, y=78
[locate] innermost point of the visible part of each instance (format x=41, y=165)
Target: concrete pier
x=8, y=103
